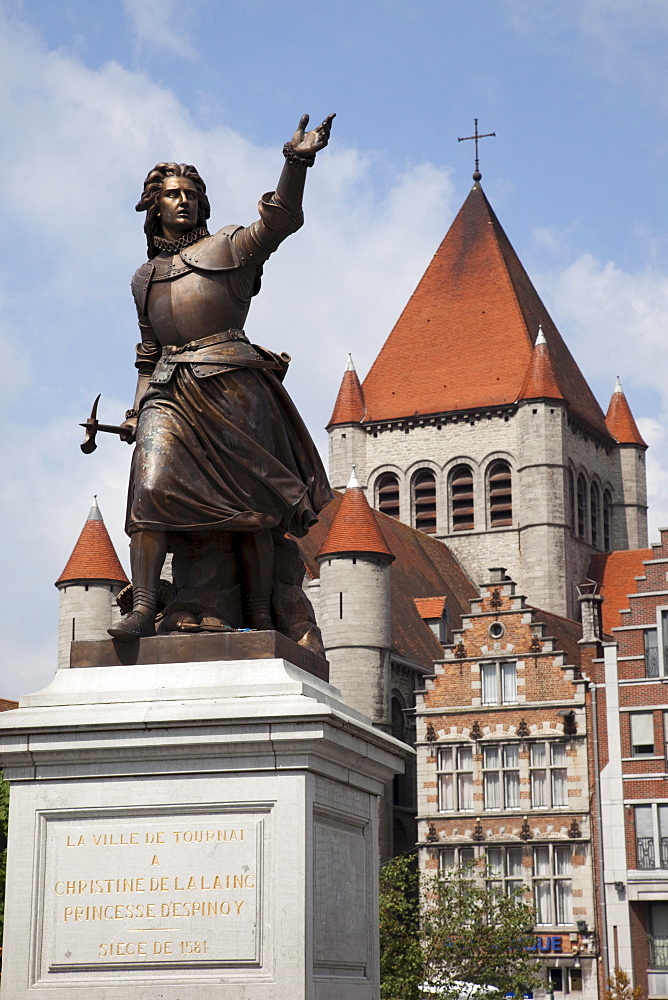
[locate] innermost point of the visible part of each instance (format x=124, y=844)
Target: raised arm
x=299, y=154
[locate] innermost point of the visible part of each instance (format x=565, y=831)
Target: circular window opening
x=496, y=630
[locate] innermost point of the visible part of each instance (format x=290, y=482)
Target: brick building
x=632, y=711
x=503, y=777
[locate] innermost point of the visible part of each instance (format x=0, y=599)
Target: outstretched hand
x=308, y=143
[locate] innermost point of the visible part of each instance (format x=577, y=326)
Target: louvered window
x=424, y=501
x=607, y=521
x=387, y=494
x=461, y=498
x=500, y=495
x=595, y=507
x=582, y=505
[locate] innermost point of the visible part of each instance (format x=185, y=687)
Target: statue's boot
x=147, y=555
x=257, y=557
x=259, y=609
x=141, y=620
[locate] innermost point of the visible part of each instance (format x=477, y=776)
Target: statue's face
x=178, y=203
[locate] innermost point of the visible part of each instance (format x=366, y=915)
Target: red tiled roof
x=423, y=567
x=466, y=336
x=354, y=528
x=349, y=405
x=429, y=607
x=619, y=420
x=94, y=556
x=615, y=574
x=541, y=380
x=6, y=705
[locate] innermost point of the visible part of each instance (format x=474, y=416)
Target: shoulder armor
x=141, y=282
x=214, y=253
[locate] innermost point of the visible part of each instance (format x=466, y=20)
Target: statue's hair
x=149, y=199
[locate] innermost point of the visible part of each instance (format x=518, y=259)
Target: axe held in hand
x=92, y=426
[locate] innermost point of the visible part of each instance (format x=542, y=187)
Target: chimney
x=590, y=611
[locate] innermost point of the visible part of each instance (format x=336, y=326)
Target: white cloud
x=615, y=322
x=162, y=24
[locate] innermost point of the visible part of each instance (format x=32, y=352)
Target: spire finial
x=618, y=385
x=350, y=367
x=95, y=514
x=540, y=339
x=476, y=135
x=354, y=483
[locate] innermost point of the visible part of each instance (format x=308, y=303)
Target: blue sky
x=92, y=95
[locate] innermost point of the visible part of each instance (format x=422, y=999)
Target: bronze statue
x=223, y=465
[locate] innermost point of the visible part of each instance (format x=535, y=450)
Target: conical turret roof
x=94, y=556
x=466, y=336
x=619, y=419
x=349, y=405
x=354, y=528
x=541, y=380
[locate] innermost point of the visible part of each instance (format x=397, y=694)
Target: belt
x=221, y=352
x=225, y=337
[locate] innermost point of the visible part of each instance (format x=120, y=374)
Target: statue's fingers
x=328, y=121
x=303, y=122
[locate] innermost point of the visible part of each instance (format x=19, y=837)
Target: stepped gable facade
x=632, y=721
x=503, y=779
x=475, y=425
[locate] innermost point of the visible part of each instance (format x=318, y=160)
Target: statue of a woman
x=220, y=446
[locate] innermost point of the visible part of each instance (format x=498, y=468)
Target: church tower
x=476, y=425
x=88, y=587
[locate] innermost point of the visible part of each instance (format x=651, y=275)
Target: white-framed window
x=499, y=683
x=548, y=775
x=452, y=858
x=455, y=778
x=552, y=884
x=658, y=935
x=652, y=653
x=501, y=776
x=651, y=823
x=641, y=725
x=505, y=871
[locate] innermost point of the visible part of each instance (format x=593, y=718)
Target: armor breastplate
x=204, y=289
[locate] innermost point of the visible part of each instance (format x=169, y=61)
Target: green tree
x=619, y=987
x=442, y=930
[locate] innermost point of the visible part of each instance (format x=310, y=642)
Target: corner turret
x=88, y=587
x=347, y=439
x=630, y=502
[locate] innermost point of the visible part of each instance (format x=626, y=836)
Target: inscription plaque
x=152, y=889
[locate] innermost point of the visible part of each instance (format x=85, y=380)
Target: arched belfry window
x=582, y=505
x=424, y=501
x=595, y=509
x=500, y=495
x=572, y=516
x=607, y=520
x=387, y=494
x=461, y=498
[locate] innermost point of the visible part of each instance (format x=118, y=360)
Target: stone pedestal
x=191, y=831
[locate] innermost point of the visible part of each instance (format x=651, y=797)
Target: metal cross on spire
x=476, y=135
